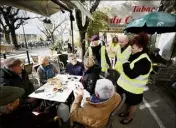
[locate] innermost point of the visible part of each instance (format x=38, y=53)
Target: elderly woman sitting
x=97, y=109
x=46, y=70
x=74, y=67
x=91, y=74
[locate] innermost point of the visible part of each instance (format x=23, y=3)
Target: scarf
x=95, y=99
x=48, y=71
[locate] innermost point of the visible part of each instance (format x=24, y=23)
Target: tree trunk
x=14, y=39
x=82, y=42
x=52, y=37
x=7, y=37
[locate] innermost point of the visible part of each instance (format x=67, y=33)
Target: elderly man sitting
x=97, y=109
x=11, y=116
x=74, y=67
x=13, y=74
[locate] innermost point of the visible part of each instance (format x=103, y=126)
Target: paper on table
x=73, y=84
x=86, y=95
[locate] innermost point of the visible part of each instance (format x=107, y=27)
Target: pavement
x=156, y=111
x=21, y=54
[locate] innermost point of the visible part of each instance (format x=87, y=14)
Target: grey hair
x=104, y=88
x=42, y=59
x=4, y=109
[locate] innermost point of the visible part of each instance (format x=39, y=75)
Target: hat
x=94, y=38
x=8, y=94
x=104, y=88
x=11, y=62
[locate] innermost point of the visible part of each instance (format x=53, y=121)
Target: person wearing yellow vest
x=135, y=76
x=97, y=50
x=123, y=52
x=113, y=49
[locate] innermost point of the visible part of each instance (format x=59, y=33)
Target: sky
x=32, y=26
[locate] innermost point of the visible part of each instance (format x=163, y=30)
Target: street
x=21, y=54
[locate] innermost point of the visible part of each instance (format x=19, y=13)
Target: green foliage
x=57, y=46
x=99, y=23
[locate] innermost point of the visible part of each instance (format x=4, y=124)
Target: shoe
x=123, y=114
x=126, y=121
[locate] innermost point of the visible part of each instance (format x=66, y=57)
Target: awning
x=46, y=7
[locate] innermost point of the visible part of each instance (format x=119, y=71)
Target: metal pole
x=4, y=55
x=71, y=22
x=26, y=45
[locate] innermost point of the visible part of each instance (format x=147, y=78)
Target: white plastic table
x=70, y=84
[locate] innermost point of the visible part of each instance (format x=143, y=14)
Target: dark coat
x=97, y=53
x=9, y=78
x=76, y=69
x=141, y=67
x=90, y=78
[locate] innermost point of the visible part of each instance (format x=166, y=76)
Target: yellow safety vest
x=104, y=65
x=122, y=57
x=115, y=47
x=135, y=86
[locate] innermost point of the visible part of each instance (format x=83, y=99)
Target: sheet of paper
x=86, y=95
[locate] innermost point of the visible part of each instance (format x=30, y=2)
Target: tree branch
x=47, y=31
x=20, y=18
x=43, y=32
x=16, y=12
x=58, y=26
x=86, y=23
x=79, y=19
x=18, y=25
x=92, y=9
x=94, y=6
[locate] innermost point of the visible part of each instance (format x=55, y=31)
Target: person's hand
x=80, y=85
x=78, y=92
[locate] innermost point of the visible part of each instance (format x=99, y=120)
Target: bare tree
x=11, y=20
x=4, y=29
x=49, y=33
x=83, y=28
x=62, y=31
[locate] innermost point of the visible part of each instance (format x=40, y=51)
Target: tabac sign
x=137, y=11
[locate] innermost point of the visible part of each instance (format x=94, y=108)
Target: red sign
x=136, y=9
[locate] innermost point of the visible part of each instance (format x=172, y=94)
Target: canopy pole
x=71, y=23
x=27, y=52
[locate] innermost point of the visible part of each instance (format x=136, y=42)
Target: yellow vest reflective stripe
x=104, y=65
x=122, y=57
x=136, y=85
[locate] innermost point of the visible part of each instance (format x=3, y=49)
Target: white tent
x=46, y=7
